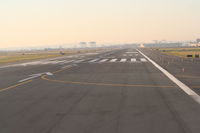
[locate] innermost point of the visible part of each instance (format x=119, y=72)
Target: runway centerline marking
x=181, y=85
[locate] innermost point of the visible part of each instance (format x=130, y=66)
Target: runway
x=115, y=91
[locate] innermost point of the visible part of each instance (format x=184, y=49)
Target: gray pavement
x=111, y=92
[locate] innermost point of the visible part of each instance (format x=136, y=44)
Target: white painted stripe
x=104, y=60
x=94, y=60
x=113, y=60
x=78, y=61
x=123, y=60
x=35, y=76
x=49, y=73
x=29, y=78
x=184, y=87
x=133, y=60
x=143, y=60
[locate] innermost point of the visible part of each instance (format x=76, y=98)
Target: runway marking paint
x=184, y=87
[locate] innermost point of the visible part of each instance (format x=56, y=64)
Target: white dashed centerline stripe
x=103, y=60
x=123, y=60
x=143, y=60
x=94, y=60
x=113, y=60
x=133, y=60
x=184, y=87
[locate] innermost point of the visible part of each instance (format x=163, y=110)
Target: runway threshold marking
x=103, y=60
x=94, y=60
x=133, y=60
x=14, y=86
x=113, y=60
x=78, y=61
x=184, y=87
x=123, y=60
x=143, y=60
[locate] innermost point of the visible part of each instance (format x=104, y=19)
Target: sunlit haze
x=25, y=23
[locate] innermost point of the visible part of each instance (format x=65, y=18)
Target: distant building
x=195, y=44
x=92, y=44
x=163, y=44
x=198, y=40
x=141, y=46
x=83, y=44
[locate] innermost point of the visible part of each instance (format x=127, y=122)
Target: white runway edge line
x=184, y=87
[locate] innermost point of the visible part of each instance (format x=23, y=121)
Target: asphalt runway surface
x=116, y=91
x=185, y=69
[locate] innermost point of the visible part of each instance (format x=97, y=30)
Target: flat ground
x=113, y=91
x=18, y=56
x=185, y=69
x=182, y=52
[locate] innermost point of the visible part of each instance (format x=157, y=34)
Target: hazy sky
x=43, y=22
